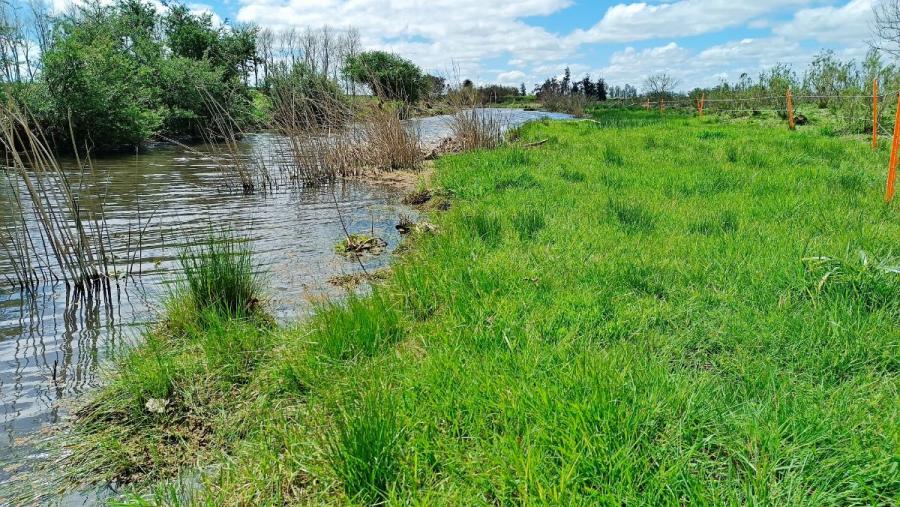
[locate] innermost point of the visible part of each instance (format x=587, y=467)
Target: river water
x=51, y=346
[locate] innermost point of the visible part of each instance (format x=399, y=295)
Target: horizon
x=699, y=42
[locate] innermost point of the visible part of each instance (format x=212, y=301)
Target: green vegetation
x=120, y=74
x=389, y=76
x=633, y=312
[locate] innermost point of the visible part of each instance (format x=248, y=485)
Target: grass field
x=643, y=311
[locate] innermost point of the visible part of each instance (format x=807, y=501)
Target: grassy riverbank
x=644, y=311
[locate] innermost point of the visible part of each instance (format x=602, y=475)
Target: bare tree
x=887, y=27
x=265, y=47
x=660, y=85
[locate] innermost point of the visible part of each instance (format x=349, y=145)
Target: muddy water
x=51, y=345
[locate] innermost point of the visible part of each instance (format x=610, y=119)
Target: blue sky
x=514, y=41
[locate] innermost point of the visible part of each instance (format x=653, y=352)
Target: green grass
x=218, y=276
x=645, y=312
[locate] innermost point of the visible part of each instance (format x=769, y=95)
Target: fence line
x=786, y=106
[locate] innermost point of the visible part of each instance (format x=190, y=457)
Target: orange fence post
x=892, y=167
x=662, y=105
x=702, y=100
x=790, y=109
x=875, y=114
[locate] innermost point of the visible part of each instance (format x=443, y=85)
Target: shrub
x=389, y=76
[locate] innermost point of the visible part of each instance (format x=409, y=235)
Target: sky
x=700, y=42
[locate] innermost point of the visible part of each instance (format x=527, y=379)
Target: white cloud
x=434, y=34
x=850, y=23
x=706, y=67
x=513, y=77
x=644, y=21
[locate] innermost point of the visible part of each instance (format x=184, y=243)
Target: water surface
x=52, y=345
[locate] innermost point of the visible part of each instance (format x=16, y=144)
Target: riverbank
x=654, y=312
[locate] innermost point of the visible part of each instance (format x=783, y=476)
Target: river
x=52, y=347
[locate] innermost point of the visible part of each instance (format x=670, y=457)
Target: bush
x=118, y=80
x=303, y=99
x=389, y=76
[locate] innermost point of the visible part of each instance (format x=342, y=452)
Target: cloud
x=513, y=77
x=706, y=67
x=850, y=24
x=434, y=34
x=644, y=21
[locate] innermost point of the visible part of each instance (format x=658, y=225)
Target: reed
x=472, y=126
x=239, y=168
x=53, y=237
x=329, y=139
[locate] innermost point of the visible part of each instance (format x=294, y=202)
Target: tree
x=100, y=74
x=434, y=87
x=389, y=76
x=660, y=85
x=827, y=76
x=600, y=89
x=887, y=26
x=120, y=74
x=522, y=90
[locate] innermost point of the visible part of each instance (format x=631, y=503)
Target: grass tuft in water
x=219, y=276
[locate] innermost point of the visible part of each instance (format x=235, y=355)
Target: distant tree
x=434, y=87
x=566, y=81
x=494, y=94
x=826, y=76
x=660, y=85
x=586, y=85
x=522, y=90
x=468, y=83
x=389, y=76
x=600, y=89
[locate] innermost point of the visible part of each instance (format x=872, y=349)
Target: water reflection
x=52, y=343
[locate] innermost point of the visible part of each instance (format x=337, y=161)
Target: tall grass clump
x=379, y=140
x=219, y=276
x=475, y=128
x=528, y=222
x=358, y=327
x=364, y=449
x=632, y=217
x=863, y=280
